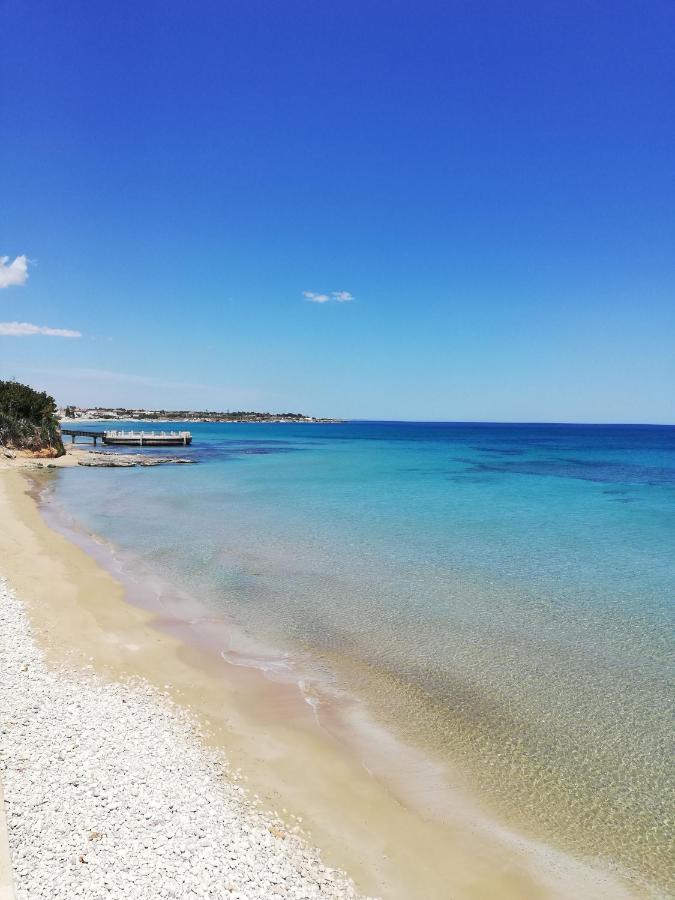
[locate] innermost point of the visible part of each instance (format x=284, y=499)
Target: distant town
x=103, y=413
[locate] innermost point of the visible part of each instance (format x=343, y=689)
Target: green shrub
x=28, y=420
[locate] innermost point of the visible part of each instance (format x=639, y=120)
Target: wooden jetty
x=132, y=438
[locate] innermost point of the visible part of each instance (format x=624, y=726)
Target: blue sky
x=492, y=183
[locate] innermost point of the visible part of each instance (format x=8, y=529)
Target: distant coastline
x=121, y=414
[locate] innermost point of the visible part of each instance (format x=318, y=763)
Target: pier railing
x=145, y=434
x=135, y=438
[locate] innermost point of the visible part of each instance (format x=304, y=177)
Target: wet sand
x=362, y=822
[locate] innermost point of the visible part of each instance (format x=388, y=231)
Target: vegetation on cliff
x=28, y=420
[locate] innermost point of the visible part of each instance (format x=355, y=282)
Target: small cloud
x=13, y=272
x=15, y=329
x=334, y=296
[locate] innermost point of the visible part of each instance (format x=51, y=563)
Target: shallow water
x=503, y=595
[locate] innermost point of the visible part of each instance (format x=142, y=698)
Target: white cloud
x=335, y=296
x=15, y=329
x=13, y=272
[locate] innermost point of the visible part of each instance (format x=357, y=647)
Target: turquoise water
x=502, y=594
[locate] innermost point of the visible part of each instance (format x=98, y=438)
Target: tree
x=28, y=420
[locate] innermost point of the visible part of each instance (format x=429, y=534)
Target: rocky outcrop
x=119, y=461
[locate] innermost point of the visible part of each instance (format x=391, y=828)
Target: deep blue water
x=503, y=594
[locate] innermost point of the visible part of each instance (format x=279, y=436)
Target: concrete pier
x=132, y=438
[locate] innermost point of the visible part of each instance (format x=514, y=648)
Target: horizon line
x=516, y=422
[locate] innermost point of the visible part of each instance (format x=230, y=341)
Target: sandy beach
x=93, y=660
x=91, y=813
x=23, y=459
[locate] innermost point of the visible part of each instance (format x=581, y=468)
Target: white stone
x=122, y=762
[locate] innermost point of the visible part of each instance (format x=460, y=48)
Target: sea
x=500, y=595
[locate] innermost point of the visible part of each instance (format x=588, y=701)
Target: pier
x=132, y=438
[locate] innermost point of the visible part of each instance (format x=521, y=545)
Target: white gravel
x=109, y=794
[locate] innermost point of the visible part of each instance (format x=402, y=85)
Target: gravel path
x=110, y=795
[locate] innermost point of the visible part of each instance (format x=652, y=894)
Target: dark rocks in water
x=106, y=463
x=117, y=461
x=162, y=461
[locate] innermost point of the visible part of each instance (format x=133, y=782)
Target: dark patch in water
x=500, y=451
x=601, y=471
x=235, y=449
x=265, y=451
x=468, y=478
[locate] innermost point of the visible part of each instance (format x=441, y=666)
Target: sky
x=448, y=210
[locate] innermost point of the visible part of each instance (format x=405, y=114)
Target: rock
x=108, y=463
x=102, y=459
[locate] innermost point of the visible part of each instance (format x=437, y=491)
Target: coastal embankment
x=139, y=765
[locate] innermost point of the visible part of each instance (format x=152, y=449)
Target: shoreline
x=91, y=812
x=272, y=734
x=78, y=456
